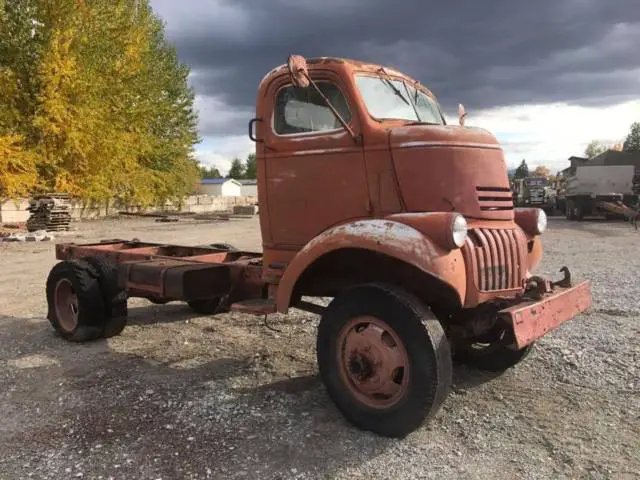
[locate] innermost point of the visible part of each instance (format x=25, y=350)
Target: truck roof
x=350, y=64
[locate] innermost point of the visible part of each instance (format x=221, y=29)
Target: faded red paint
x=532, y=320
x=370, y=359
x=387, y=237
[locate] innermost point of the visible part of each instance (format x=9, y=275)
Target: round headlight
x=542, y=221
x=459, y=231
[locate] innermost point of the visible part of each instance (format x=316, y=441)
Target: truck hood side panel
x=446, y=168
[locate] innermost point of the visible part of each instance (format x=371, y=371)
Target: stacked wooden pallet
x=51, y=212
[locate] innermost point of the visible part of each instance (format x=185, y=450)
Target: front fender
x=388, y=237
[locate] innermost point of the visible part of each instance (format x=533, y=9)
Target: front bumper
x=532, y=319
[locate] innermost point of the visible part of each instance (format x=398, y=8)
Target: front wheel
x=384, y=359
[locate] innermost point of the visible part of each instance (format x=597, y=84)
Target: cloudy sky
x=546, y=77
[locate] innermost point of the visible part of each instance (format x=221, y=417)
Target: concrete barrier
x=16, y=211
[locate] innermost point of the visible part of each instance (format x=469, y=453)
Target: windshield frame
x=537, y=182
x=407, y=85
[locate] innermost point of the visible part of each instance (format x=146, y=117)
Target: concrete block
x=245, y=209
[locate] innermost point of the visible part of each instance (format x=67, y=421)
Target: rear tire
x=75, y=303
x=569, y=210
x=384, y=359
x=115, y=298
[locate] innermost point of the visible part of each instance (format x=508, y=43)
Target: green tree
x=595, y=148
x=522, y=171
x=250, y=168
x=209, y=171
x=237, y=169
x=632, y=142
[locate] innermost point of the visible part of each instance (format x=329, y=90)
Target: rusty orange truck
x=368, y=197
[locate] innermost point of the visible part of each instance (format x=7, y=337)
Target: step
x=255, y=306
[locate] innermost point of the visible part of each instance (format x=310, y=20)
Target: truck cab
x=536, y=191
x=398, y=163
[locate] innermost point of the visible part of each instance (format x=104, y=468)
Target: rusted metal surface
x=175, y=279
x=387, y=237
x=435, y=225
x=532, y=320
x=66, y=305
x=619, y=208
x=496, y=258
x=175, y=272
x=121, y=251
x=373, y=362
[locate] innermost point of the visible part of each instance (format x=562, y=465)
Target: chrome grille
x=494, y=198
x=495, y=258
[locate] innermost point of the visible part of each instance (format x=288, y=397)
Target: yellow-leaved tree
x=108, y=113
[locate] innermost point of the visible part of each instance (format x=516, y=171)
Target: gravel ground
x=178, y=396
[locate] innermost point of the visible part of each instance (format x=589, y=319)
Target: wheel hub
x=66, y=305
x=373, y=362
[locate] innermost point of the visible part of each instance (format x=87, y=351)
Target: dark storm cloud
x=482, y=53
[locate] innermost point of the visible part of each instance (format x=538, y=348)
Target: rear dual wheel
x=84, y=302
x=384, y=359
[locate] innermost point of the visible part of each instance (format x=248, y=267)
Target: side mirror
x=298, y=71
x=461, y=115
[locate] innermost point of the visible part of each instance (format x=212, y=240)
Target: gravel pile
x=229, y=397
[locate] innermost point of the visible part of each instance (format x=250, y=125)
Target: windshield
x=395, y=99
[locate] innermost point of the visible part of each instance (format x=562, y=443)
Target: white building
x=220, y=187
x=249, y=188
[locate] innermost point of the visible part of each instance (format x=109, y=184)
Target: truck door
x=315, y=172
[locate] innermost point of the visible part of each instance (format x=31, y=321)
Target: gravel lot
x=178, y=396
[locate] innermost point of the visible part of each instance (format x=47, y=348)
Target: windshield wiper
x=388, y=82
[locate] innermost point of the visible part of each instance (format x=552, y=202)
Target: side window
x=303, y=110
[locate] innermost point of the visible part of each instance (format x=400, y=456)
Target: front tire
x=384, y=359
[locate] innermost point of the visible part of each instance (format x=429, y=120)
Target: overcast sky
x=546, y=77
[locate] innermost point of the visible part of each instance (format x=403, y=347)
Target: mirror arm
x=335, y=112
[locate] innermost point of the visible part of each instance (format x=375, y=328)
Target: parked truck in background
x=592, y=188
x=535, y=192
x=368, y=197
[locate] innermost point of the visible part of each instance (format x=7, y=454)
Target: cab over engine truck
x=368, y=197
x=536, y=192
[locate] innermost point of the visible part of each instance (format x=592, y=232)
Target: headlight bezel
x=541, y=221
x=532, y=220
x=459, y=230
